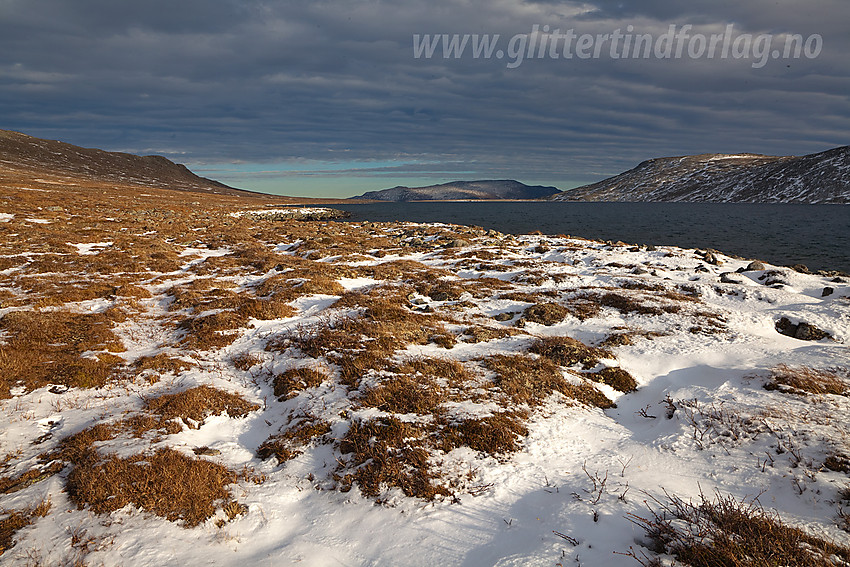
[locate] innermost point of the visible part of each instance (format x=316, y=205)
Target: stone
x=800, y=268
x=827, y=291
x=755, y=266
x=807, y=332
x=802, y=331
x=457, y=243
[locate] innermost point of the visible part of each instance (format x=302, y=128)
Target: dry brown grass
x=289, y=444
x=45, y=347
x=405, y=394
x=166, y=483
x=296, y=379
x=16, y=520
x=162, y=363
x=633, y=304
x=724, y=531
x=199, y=403
x=366, y=340
x=495, y=435
x=545, y=313
x=566, y=351
x=387, y=452
x=617, y=378
x=530, y=381
x=245, y=361
x=481, y=334
x=803, y=380
x=9, y=485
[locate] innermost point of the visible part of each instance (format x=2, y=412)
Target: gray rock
x=802, y=331
x=506, y=316
x=755, y=266
x=827, y=291
x=457, y=243
x=800, y=268
x=807, y=332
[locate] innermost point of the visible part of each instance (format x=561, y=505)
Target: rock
x=640, y=271
x=206, y=451
x=802, y=331
x=506, y=316
x=827, y=291
x=457, y=243
x=731, y=277
x=651, y=248
x=800, y=268
x=439, y=296
x=807, y=332
x=701, y=268
x=755, y=266
x=710, y=258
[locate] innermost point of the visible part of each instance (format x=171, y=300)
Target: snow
x=513, y=506
x=294, y=212
x=6, y=217
x=90, y=248
x=38, y=221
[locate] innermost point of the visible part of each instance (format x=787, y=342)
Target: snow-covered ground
x=700, y=421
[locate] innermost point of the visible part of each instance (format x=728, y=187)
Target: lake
x=815, y=235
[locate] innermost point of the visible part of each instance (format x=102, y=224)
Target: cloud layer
x=324, y=82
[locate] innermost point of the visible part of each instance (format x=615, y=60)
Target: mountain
x=21, y=152
x=462, y=190
x=821, y=178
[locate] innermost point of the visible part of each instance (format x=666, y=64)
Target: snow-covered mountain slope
x=456, y=190
x=821, y=178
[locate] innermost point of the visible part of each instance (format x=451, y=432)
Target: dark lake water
x=815, y=235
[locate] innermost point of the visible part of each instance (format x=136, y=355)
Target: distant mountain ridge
x=821, y=178
x=487, y=189
x=20, y=151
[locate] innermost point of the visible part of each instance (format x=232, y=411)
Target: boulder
x=802, y=331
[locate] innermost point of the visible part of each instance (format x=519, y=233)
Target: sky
x=328, y=98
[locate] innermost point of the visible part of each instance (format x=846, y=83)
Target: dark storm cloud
x=209, y=81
